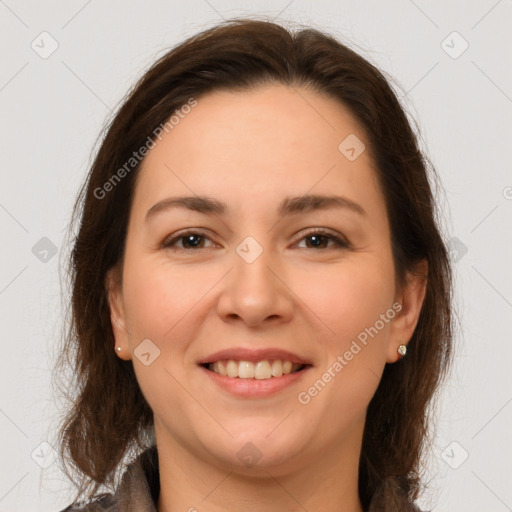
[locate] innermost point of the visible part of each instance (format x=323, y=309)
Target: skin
x=250, y=150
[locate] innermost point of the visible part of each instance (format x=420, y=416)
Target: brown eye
x=320, y=239
x=189, y=240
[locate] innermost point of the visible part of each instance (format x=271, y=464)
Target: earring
x=402, y=350
x=118, y=349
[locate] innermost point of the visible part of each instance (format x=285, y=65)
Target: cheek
x=159, y=296
x=350, y=297
x=356, y=305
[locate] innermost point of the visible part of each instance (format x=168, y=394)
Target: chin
x=259, y=449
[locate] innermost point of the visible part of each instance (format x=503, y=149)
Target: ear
x=410, y=296
x=113, y=288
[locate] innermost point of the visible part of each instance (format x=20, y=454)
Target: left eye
x=319, y=240
x=318, y=237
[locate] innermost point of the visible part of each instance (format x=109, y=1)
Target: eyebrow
x=289, y=205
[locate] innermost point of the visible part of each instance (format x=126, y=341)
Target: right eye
x=190, y=240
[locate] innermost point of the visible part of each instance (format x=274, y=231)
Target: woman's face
x=250, y=269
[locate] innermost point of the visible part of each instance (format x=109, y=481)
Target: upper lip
x=254, y=355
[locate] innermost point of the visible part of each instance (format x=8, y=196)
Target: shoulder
x=140, y=484
x=103, y=503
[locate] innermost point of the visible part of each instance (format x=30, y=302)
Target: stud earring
x=402, y=350
x=118, y=349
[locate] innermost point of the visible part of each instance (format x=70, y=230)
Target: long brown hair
x=108, y=417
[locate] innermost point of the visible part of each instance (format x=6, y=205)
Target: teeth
x=261, y=370
x=277, y=368
x=245, y=370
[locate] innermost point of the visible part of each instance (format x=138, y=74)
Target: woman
x=260, y=290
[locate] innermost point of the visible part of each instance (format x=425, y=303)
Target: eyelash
x=339, y=241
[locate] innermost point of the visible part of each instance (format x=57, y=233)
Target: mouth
x=264, y=369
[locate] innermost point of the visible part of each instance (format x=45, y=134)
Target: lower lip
x=254, y=388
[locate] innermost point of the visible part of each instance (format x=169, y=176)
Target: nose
x=256, y=292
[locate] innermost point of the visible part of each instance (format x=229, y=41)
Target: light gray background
x=52, y=111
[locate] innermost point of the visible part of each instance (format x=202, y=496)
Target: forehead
x=266, y=143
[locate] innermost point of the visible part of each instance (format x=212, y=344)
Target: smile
x=261, y=370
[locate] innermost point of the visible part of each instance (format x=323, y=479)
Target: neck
x=328, y=481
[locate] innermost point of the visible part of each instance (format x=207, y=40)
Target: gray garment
x=140, y=487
